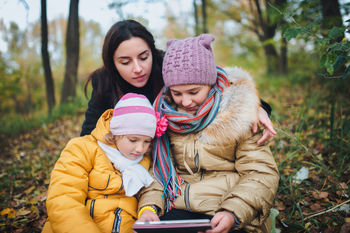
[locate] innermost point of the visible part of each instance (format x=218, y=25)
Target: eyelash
x=133, y=140
x=142, y=59
x=191, y=93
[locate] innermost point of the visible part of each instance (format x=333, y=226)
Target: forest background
x=297, y=51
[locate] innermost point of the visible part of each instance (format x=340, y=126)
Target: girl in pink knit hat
x=95, y=180
x=209, y=164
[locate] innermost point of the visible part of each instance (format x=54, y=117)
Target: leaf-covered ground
x=27, y=160
x=309, y=136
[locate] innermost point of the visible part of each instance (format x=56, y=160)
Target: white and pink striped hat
x=133, y=114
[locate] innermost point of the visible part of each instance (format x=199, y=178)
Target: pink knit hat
x=189, y=61
x=133, y=114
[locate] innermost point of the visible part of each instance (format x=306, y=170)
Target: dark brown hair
x=107, y=78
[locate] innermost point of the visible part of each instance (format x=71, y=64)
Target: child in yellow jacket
x=94, y=181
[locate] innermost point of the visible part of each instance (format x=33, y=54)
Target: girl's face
x=133, y=60
x=189, y=97
x=133, y=146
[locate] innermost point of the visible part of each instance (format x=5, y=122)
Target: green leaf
x=322, y=41
x=291, y=33
x=339, y=62
x=335, y=47
x=323, y=60
x=336, y=32
x=327, y=61
x=347, y=72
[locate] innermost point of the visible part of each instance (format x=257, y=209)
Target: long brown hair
x=107, y=78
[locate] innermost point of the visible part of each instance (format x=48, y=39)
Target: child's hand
x=222, y=222
x=148, y=216
x=264, y=119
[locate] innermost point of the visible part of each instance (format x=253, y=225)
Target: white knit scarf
x=134, y=175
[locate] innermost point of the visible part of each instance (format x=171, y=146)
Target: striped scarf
x=182, y=123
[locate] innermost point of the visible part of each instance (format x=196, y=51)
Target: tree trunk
x=50, y=87
x=283, y=57
x=266, y=30
x=196, y=26
x=272, y=60
x=331, y=17
x=331, y=14
x=204, y=15
x=72, y=53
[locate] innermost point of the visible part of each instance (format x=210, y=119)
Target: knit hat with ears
x=133, y=114
x=189, y=61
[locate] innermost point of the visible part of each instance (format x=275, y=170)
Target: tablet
x=173, y=226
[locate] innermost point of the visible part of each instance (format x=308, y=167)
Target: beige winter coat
x=222, y=165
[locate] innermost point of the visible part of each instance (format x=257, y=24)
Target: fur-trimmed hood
x=238, y=108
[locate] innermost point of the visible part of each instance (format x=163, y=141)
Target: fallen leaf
x=345, y=228
x=41, y=197
x=280, y=205
x=323, y=195
x=29, y=190
x=315, y=207
x=319, y=195
x=307, y=225
x=23, y=211
x=343, y=189
x=11, y=213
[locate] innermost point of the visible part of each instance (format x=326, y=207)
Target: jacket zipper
x=117, y=221
x=92, y=205
x=187, y=199
x=196, y=157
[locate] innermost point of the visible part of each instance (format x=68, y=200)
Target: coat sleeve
x=266, y=107
x=152, y=195
x=254, y=194
x=68, y=190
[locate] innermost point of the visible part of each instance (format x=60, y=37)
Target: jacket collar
x=238, y=109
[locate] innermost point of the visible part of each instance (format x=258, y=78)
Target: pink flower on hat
x=162, y=124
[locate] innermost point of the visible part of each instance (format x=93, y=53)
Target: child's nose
x=186, y=101
x=139, y=147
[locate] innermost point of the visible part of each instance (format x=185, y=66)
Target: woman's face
x=133, y=60
x=189, y=97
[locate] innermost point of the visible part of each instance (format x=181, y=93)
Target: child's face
x=133, y=146
x=189, y=97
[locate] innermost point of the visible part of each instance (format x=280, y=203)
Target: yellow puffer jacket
x=86, y=193
x=222, y=165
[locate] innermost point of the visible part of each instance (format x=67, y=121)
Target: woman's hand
x=222, y=222
x=148, y=216
x=264, y=119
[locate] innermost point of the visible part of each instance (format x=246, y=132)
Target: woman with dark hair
x=132, y=63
